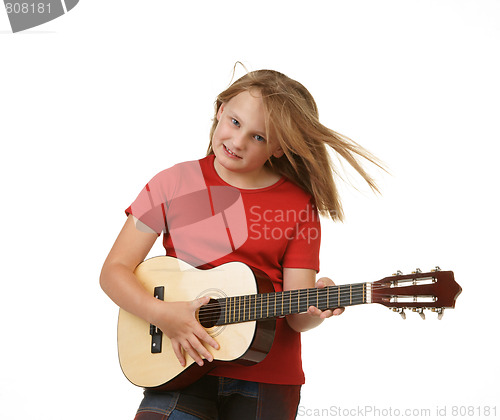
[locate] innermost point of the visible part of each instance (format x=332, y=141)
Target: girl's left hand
x=323, y=282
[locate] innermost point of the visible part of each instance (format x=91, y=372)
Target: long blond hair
x=292, y=119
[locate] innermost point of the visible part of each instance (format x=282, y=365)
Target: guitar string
x=286, y=295
x=356, y=289
x=243, y=304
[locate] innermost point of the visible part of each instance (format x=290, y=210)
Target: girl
x=254, y=198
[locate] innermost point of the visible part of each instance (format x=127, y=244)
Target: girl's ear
x=220, y=111
x=278, y=152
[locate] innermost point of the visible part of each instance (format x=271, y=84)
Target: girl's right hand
x=178, y=321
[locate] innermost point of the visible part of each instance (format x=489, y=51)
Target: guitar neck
x=236, y=309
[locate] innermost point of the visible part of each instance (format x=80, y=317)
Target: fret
x=233, y=306
x=225, y=311
x=236, y=317
x=260, y=306
x=304, y=306
x=360, y=295
x=343, y=296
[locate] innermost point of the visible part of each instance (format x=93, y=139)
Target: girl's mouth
x=231, y=153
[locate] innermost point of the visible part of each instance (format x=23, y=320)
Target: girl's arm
x=299, y=278
x=176, y=319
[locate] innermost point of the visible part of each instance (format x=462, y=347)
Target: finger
x=193, y=353
x=324, y=281
x=207, y=338
x=178, y=353
x=203, y=335
x=197, y=303
x=326, y=314
x=200, y=332
x=338, y=311
x=314, y=311
x=198, y=346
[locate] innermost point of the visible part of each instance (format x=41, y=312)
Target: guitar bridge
x=154, y=331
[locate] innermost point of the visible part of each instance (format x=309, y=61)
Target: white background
x=97, y=101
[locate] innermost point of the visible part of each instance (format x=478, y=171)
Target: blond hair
x=291, y=117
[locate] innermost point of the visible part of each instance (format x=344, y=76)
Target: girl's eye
x=259, y=138
x=235, y=122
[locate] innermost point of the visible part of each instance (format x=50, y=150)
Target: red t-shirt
x=206, y=222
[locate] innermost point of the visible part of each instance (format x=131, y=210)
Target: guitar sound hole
x=209, y=314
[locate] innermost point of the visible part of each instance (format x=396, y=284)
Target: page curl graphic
x=26, y=14
x=204, y=223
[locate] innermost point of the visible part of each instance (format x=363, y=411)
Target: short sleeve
x=303, y=248
x=150, y=206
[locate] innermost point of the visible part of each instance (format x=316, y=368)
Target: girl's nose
x=239, y=140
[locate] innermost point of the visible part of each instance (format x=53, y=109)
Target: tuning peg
x=400, y=311
x=417, y=270
x=397, y=273
x=437, y=268
x=440, y=312
x=421, y=313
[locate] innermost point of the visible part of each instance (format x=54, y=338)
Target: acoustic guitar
x=242, y=312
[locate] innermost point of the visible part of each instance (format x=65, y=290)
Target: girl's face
x=239, y=141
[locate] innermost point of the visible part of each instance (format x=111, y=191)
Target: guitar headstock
x=434, y=290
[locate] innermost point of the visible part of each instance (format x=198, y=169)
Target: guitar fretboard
x=272, y=305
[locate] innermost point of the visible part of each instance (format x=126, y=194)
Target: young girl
x=254, y=198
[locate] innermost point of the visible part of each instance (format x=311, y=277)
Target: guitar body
x=243, y=343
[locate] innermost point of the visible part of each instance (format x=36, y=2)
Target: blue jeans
x=214, y=398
